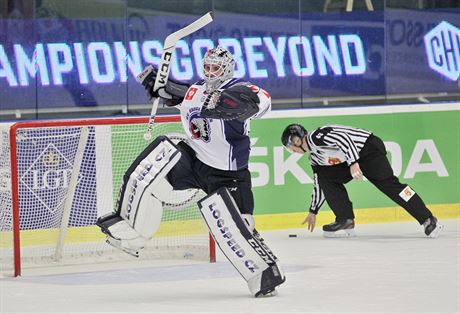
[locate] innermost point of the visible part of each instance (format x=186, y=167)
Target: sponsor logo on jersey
x=333, y=161
x=190, y=93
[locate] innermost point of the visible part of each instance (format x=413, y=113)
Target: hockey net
x=58, y=177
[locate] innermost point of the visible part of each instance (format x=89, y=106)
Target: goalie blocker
x=242, y=245
x=139, y=205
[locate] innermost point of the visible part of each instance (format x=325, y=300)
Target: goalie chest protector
x=220, y=144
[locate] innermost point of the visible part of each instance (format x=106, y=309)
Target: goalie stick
x=166, y=57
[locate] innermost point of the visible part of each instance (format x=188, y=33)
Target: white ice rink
x=388, y=268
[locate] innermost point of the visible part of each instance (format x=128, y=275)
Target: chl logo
x=442, y=46
x=48, y=178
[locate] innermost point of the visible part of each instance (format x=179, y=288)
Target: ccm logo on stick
x=164, y=68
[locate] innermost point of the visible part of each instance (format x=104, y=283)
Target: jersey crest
x=198, y=127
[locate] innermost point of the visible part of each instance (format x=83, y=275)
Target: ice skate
x=266, y=294
x=432, y=228
x=340, y=229
x=117, y=244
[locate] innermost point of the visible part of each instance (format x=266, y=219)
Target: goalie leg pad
x=136, y=204
x=257, y=265
x=139, y=211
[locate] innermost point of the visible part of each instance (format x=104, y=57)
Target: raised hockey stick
x=164, y=66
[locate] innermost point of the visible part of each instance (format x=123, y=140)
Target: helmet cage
x=218, y=66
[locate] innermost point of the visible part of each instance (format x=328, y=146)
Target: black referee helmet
x=292, y=130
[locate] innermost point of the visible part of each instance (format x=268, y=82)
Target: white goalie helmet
x=218, y=66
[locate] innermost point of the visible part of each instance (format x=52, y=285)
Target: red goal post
x=59, y=176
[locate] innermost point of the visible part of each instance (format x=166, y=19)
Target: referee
x=339, y=154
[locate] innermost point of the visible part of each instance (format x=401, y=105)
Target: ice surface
x=387, y=268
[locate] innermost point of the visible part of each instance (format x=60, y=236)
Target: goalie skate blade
x=267, y=294
x=116, y=244
x=435, y=233
x=348, y=233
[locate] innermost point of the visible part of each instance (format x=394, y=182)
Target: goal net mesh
x=46, y=160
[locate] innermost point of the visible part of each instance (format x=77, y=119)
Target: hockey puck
x=293, y=236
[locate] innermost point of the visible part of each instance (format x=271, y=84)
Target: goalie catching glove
x=237, y=102
x=172, y=94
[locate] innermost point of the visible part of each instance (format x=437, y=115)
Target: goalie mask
x=218, y=66
x=290, y=133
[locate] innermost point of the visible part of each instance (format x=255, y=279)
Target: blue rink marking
x=146, y=275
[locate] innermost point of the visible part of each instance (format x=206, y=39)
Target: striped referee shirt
x=332, y=145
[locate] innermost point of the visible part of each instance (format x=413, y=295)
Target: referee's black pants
x=377, y=169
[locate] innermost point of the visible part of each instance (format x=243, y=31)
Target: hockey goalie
x=216, y=114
